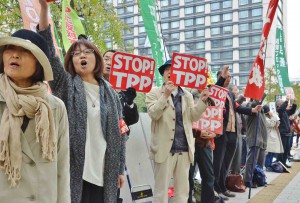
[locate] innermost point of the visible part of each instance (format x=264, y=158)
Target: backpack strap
x=25, y=123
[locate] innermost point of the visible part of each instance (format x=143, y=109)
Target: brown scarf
x=22, y=102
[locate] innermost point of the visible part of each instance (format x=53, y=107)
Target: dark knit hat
x=266, y=109
x=162, y=68
x=33, y=42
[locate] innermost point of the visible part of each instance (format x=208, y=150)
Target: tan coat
x=162, y=113
x=42, y=181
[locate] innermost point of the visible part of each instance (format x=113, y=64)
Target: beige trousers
x=176, y=166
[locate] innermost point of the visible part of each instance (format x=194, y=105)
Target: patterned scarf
x=22, y=102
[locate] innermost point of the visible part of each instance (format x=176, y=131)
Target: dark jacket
x=240, y=109
x=284, y=126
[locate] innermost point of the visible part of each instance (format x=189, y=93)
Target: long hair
x=69, y=66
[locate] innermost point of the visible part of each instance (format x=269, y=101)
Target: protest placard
x=130, y=70
x=211, y=120
x=218, y=94
x=289, y=92
x=189, y=71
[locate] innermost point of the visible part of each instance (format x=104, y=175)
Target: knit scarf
x=22, y=102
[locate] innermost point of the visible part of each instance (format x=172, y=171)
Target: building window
x=244, y=40
x=189, y=22
x=175, y=13
x=227, y=29
x=145, y=51
x=243, y=2
x=215, y=43
x=256, y=1
x=164, y=14
x=189, y=34
x=165, y=26
x=141, y=29
x=214, y=6
x=245, y=66
x=215, y=31
x=200, y=9
x=174, y=2
x=189, y=10
x=256, y=12
x=215, y=56
x=227, y=4
x=227, y=16
x=190, y=47
x=174, y=48
x=164, y=3
x=256, y=39
x=129, y=9
x=215, y=67
x=199, y=33
x=227, y=55
x=142, y=40
x=174, y=36
x=108, y=45
x=188, y=1
x=254, y=52
x=244, y=53
x=200, y=45
x=227, y=42
x=129, y=20
x=129, y=42
x=120, y=11
x=244, y=80
x=175, y=24
x=215, y=18
x=257, y=25
x=200, y=21
x=243, y=14
x=244, y=27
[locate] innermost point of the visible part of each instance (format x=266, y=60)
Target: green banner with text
x=149, y=14
x=280, y=61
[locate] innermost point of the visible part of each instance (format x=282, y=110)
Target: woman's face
x=84, y=61
x=19, y=65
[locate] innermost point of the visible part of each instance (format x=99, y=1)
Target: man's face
x=166, y=74
x=107, y=59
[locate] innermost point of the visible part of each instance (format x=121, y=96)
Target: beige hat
x=33, y=42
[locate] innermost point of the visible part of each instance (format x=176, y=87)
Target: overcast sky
x=293, y=42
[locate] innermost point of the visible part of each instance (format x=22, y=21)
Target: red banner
x=218, y=94
x=189, y=71
x=30, y=10
x=256, y=83
x=211, y=120
x=130, y=70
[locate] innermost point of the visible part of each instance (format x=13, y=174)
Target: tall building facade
x=222, y=31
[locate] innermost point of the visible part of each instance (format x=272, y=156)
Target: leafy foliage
x=272, y=87
x=98, y=17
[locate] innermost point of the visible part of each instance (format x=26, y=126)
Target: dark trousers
x=251, y=163
x=269, y=159
x=92, y=193
x=204, y=160
x=223, y=155
x=286, y=147
x=244, y=152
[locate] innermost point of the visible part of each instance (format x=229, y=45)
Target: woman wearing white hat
x=34, y=137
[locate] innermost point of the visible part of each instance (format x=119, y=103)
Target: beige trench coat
x=162, y=113
x=42, y=181
x=274, y=143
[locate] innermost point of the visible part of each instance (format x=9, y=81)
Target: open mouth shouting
x=83, y=63
x=14, y=64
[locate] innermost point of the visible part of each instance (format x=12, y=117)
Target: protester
x=203, y=158
x=34, y=136
x=226, y=144
x=130, y=112
x=274, y=143
x=97, y=151
x=172, y=111
x=284, y=127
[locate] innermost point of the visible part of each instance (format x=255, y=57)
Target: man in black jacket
x=284, y=127
x=225, y=145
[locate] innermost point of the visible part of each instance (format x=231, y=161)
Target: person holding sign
x=130, y=111
x=226, y=144
x=172, y=111
x=34, y=129
x=97, y=145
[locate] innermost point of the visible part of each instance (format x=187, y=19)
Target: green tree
x=98, y=17
x=272, y=87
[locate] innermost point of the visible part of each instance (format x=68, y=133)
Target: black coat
x=284, y=126
x=131, y=115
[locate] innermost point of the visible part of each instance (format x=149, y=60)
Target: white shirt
x=95, y=145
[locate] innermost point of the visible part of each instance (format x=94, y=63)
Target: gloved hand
x=130, y=94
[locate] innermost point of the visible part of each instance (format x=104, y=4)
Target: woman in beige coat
x=34, y=142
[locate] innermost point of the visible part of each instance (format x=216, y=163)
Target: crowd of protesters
x=67, y=146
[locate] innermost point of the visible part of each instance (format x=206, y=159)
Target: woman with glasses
x=97, y=148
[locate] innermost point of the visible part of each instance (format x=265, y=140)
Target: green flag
x=149, y=14
x=280, y=62
x=71, y=25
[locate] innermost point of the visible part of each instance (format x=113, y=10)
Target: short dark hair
x=69, y=66
x=110, y=50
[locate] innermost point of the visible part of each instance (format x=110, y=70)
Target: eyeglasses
x=86, y=52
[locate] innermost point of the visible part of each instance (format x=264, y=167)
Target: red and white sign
x=123, y=127
x=211, y=120
x=130, y=70
x=189, y=71
x=289, y=92
x=218, y=94
x=256, y=84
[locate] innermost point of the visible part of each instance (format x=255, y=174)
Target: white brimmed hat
x=33, y=42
